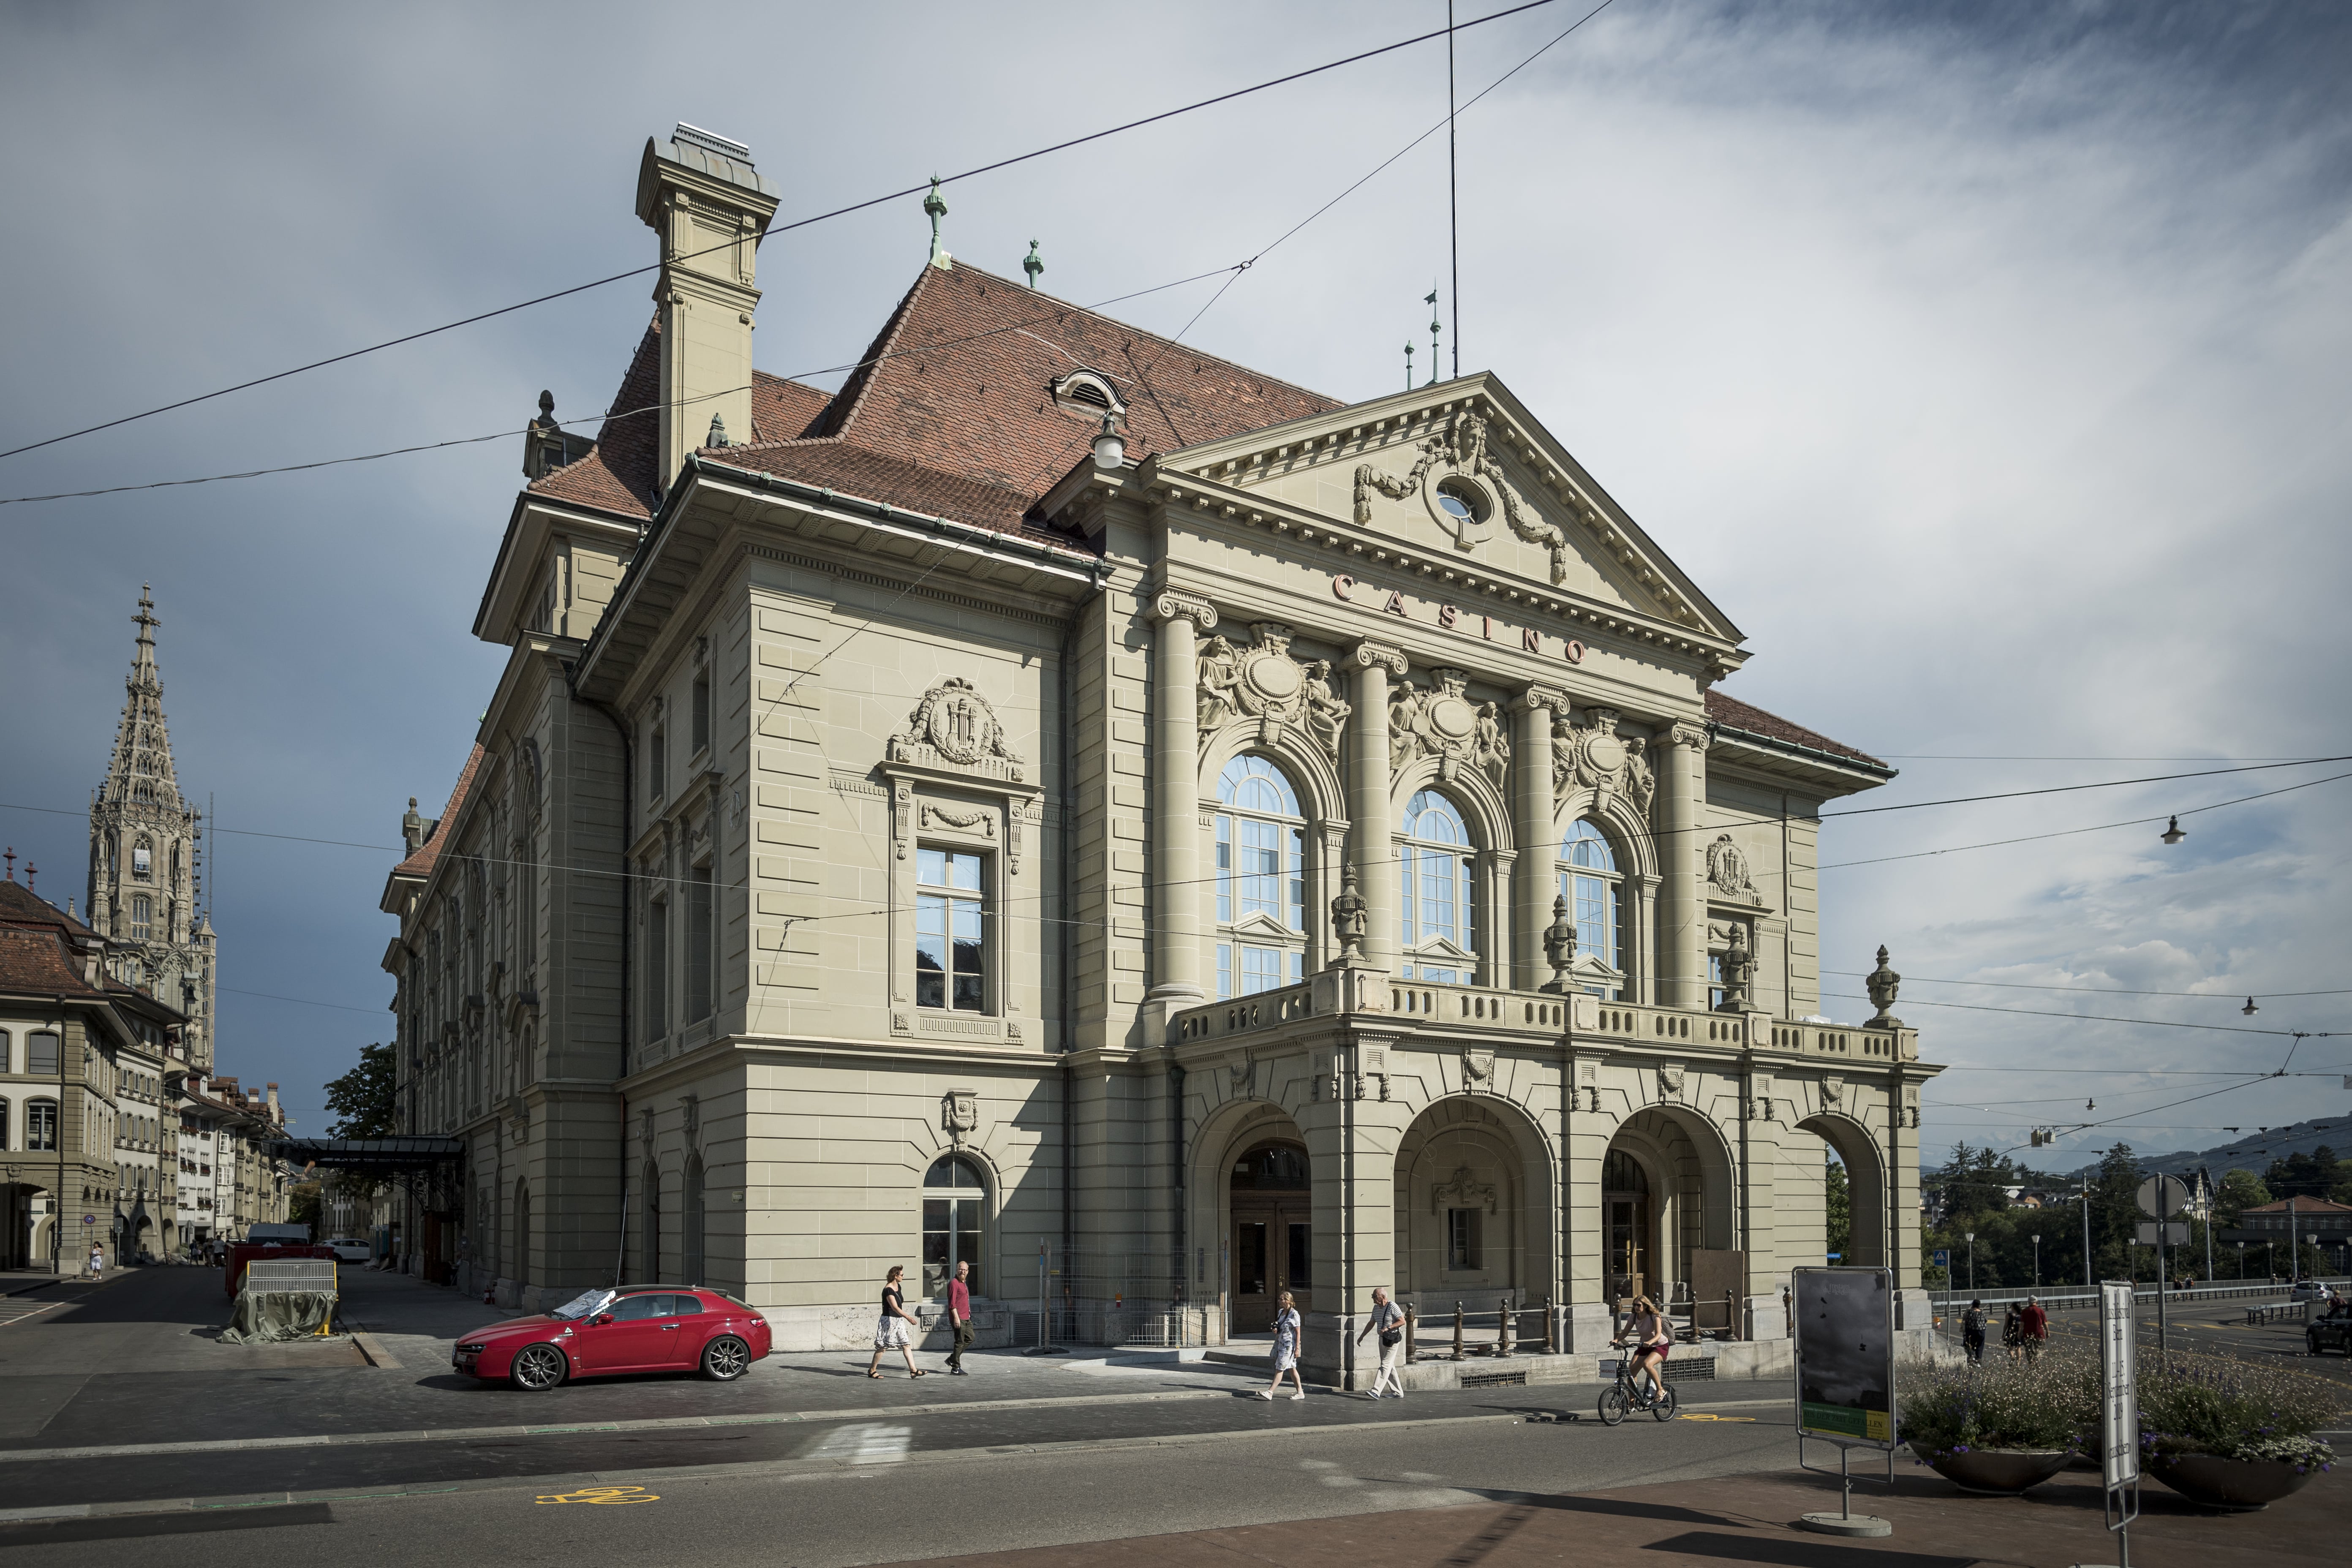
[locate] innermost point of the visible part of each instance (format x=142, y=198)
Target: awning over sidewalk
x=368, y=1156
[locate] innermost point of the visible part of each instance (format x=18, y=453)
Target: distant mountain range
x=2256, y=1150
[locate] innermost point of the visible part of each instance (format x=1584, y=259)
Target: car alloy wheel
x=725, y=1359
x=538, y=1368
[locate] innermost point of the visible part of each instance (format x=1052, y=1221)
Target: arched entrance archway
x=1269, y=1193
x=1472, y=1207
x=1866, y=1178
x=1668, y=1196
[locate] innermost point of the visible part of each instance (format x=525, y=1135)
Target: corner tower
x=145, y=859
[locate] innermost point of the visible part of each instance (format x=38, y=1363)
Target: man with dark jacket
x=1972, y=1331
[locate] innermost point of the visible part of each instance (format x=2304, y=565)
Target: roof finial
x=11, y=858
x=1408, y=365
x=937, y=209
x=1432, y=302
x=1033, y=264
x=145, y=619
x=718, y=432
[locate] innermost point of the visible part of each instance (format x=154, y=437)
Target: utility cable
x=2104, y=1018
x=2094, y=990
x=2068, y=789
x=784, y=228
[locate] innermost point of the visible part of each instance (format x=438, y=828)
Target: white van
x=284, y=1234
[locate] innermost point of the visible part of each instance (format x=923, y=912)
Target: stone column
x=1373, y=819
x=1175, y=805
x=1682, y=857
x=1535, y=825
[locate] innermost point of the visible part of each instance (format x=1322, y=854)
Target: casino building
x=1072, y=804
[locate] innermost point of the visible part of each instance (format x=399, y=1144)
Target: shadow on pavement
x=45, y=1532
x=1800, y=1551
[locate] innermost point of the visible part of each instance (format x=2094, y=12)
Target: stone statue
x=1493, y=745
x=1638, y=783
x=1882, y=982
x=1350, y=920
x=1220, y=673
x=1404, y=724
x=1326, y=710
x=1560, y=944
x=1739, y=971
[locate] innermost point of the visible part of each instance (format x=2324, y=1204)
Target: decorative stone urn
x=2235, y=1486
x=1995, y=1472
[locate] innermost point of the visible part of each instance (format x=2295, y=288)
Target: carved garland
x=1461, y=446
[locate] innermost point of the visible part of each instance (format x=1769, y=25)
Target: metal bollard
x=1551, y=1329
x=1503, y=1334
x=1457, y=1330
x=1412, y=1320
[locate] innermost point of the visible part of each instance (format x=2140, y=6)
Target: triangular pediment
x=1462, y=475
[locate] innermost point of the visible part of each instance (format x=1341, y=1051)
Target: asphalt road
x=869, y=1500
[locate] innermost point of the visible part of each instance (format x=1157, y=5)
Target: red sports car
x=638, y=1328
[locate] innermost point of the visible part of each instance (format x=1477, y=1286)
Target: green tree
x=302, y=1206
x=2116, y=1217
x=363, y=1099
x=2311, y=1175
x=1840, y=1202
x=2238, y=1192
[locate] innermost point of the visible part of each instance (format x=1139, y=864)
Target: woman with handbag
x=896, y=1329
x=1286, y=1350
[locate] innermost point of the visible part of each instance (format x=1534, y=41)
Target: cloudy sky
x=1986, y=364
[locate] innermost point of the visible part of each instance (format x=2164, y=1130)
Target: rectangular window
x=658, y=764
x=1224, y=870
x=1262, y=970
x=1462, y=1241
x=1224, y=972
x=700, y=908
x=951, y=948
x=1714, y=981
x=657, y=971
x=702, y=709
x=41, y=1124
x=41, y=1055
x=142, y=915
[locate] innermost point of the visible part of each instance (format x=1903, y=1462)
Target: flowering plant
x=1953, y=1408
x=2195, y=1404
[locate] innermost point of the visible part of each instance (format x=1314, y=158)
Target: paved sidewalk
x=1748, y=1519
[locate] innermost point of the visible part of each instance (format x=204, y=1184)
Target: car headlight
x=471, y=1350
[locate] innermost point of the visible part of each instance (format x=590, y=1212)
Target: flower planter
x=1996, y=1472
x=2240, y=1485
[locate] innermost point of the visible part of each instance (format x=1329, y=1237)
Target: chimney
x=700, y=193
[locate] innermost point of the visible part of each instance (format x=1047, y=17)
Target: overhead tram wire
x=2103, y=1018
x=2231, y=996
x=1446, y=32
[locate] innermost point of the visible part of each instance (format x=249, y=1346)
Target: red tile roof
x=19, y=905
x=36, y=961
x=1733, y=714
x=952, y=411
x=428, y=853
x=2310, y=1206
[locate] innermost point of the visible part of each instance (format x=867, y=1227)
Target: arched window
x=143, y=916
x=1440, y=893
x=1261, y=879
x=955, y=1209
x=142, y=856
x=1595, y=891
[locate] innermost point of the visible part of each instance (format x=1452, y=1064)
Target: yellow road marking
x=1708, y=1416
x=604, y=1495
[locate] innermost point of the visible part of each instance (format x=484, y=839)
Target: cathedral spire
x=140, y=773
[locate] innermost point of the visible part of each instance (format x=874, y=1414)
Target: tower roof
x=140, y=772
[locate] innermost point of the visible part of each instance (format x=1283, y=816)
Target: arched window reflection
x=955, y=1210
x=1439, y=899
x=1261, y=879
x=1595, y=891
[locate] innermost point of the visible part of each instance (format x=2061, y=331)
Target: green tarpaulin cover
x=278, y=1316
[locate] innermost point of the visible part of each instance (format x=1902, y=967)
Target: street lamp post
x=2087, y=1230
x=1972, y=1262
x=2037, y=1262
x=2241, y=1262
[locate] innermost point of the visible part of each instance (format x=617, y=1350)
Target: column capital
x=1172, y=606
x=1686, y=732
x=1369, y=653
x=1540, y=697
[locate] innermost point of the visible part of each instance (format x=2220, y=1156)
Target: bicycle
x=1628, y=1396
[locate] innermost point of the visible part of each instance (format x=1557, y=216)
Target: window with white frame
x=1261, y=879
x=142, y=917
x=951, y=930
x=1439, y=899
x=1595, y=891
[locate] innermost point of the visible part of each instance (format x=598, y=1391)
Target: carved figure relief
x=1265, y=683
x=1477, y=1070
x=960, y=1112
x=1726, y=872
x=955, y=725
x=1592, y=755
x=1459, y=447
x=1832, y=1092
x=1442, y=722
x=1670, y=1080
x=1462, y=1192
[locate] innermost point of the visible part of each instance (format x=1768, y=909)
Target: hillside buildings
x=1072, y=804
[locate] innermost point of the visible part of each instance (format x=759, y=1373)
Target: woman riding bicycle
x=1652, y=1337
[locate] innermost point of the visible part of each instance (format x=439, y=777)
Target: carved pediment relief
x=1462, y=1190
x=955, y=727
x=1264, y=682
x=1592, y=755
x=1726, y=872
x=1440, y=722
x=1464, y=509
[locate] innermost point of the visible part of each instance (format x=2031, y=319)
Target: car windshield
x=582, y=1305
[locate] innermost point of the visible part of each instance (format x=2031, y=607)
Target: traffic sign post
x=2118, y=1416
x=2161, y=1197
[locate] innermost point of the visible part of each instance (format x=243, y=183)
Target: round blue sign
x=90, y=1219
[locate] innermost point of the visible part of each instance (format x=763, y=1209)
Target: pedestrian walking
x=896, y=1329
x=959, y=1317
x=1286, y=1350
x=2012, y=1331
x=2033, y=1327
x=1389, y=1319
x=1972, y=1331
x=96, y=1259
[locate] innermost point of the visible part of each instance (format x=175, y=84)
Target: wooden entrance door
x=1273, y=1236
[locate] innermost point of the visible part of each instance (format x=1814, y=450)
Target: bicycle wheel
x=1612, y=1406
x=1663, y=1409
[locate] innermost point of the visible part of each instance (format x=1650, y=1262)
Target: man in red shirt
x=959, y=1317
x=2034, y=1323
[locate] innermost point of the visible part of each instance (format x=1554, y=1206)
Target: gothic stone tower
x=144, y=858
